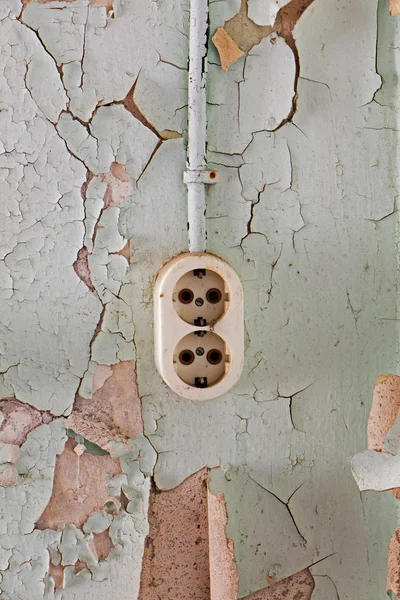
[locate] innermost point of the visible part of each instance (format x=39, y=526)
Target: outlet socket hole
x=214, y=356
x=186, y=296
x=186, y=357
x=214, y=296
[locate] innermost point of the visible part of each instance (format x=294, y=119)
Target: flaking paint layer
x=303, y=136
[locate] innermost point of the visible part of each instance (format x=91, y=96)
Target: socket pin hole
x=185, y=296
x=186, y=357
x=213, y=296
x=214, y=356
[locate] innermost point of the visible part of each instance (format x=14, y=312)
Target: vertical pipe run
x=197, y=124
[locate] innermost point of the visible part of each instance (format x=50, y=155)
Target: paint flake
x=229, y=51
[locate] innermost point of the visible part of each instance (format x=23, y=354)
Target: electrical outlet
x=198, y=321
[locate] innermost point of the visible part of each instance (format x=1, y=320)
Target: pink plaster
x=384, y=411
x=8, y=475
x=80, y=487
x=299, y=586
x=393, y=574
x=81, y=268
x=223, y=573
x=118, y=183
x=19, y=420
x=114, y=411
x=101, y=374
x=176, y=557
x=103, y=544
x=188, y=555
x=383, y=414
x=57, y=573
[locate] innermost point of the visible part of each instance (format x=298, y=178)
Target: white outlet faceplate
x=199, y=336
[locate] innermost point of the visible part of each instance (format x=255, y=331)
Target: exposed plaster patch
x=299, y=586
x=224, y=579
x=384, y=410
x=100, y=376
x=188, y=553
x=294, y=286
x=393, y=575
x=103, y=544
x=114, y=411
x=56, y=572
x=229, y=51
x=79, y=489
x=107, y=4
x=81, y=267
x=238, y=487
x=118, y=183
x=394, y=7
x=375, y=468
x=19, y=419
x=126, y=251
x=176, y=558
x=244, y=30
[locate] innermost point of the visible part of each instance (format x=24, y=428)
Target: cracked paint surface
x=302, y=132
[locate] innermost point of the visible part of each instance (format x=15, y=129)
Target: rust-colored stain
x=299, y=586
x=290, y=14
x=79, y=488
x=176, y=557
x=229, y=51
x=114, y=411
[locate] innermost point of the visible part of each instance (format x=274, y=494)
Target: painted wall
x=303, y=134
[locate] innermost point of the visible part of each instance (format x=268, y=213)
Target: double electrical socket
x=198, y=323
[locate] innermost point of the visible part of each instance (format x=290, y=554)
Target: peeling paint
x=229, y=51
x=175, y=562
x=302, y=131
x=223, y=573
x=79, y=489
x=296, y=587
x=114, y=411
